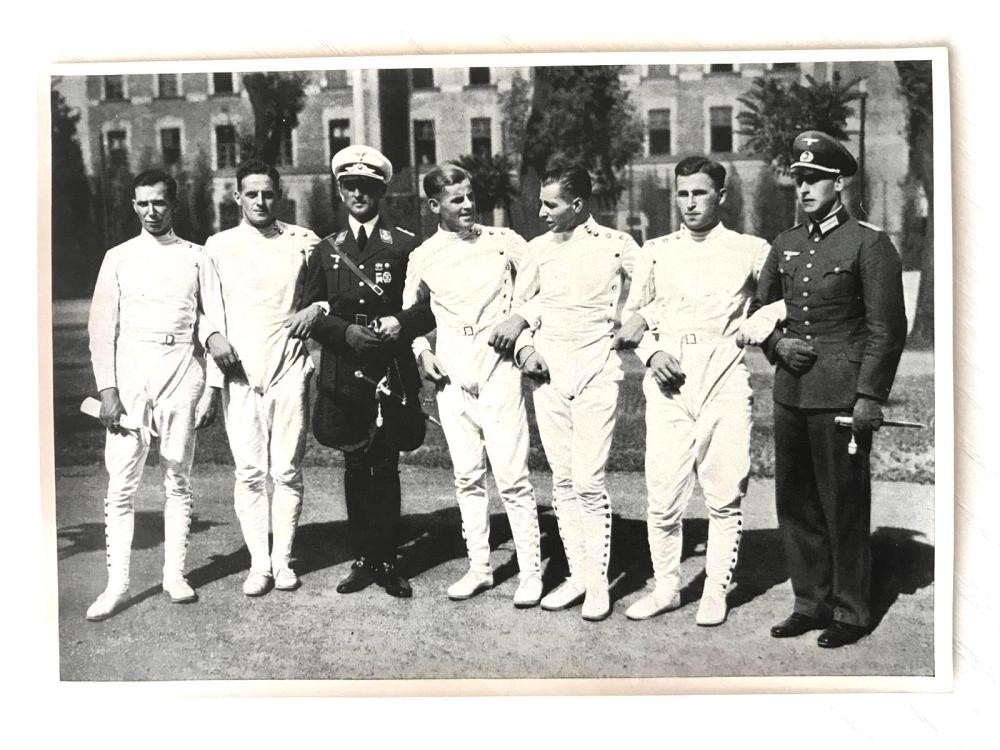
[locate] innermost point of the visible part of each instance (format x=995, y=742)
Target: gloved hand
x=867, y=415
x=795, y=354
x=361, y=339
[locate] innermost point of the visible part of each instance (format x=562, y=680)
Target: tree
x=74, y=243
x=583, y=113
x=321, y=216
x=492, y=181
x=194, y=219
x=515, y=106
x=777, y=110
x=915, y=78
x=276, y=99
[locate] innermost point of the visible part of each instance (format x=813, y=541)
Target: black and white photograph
x=552, y=368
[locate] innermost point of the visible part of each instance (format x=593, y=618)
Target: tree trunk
x=922, y=333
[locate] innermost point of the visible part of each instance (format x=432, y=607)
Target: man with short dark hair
x=146, y=313
x=694, y=285
x=574, y=275
x=260, y=264
x=466, y=271
x=836, y=353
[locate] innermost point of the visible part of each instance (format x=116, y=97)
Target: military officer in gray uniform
x=354, y=280
x=836, y=355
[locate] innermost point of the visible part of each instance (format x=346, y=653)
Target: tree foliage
x=74, y=240
x=915, y=77
x=515, y=107
x=776, y=110
x=276, y=99
x=585, y=114
x=492, y=180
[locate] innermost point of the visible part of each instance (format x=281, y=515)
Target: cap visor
x=804, y=165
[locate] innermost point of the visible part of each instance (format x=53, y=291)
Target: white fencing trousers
x=171, y=410
x=576, y=434
x=687, y=438
x=267, y=431
x=492, y=423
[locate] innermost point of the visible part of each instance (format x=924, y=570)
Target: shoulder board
x=405, y=231
x=869, y=226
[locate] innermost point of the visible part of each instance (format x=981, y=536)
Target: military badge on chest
x=383, y=273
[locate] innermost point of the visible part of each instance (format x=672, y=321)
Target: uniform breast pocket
x=839, y=282
x=337, y=280
x=787, y=279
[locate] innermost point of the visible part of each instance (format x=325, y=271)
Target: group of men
x=502, y=308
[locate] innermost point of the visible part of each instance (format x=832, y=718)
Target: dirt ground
x=315, y=633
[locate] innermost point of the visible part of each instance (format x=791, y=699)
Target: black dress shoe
x=797, y=624
x=841, y=634
x=394, y=584
x=361, y=576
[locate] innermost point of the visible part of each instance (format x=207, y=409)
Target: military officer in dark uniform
x=353, y=280
x=836, y=354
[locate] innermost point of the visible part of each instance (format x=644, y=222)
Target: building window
x=170, y=145
x=785, y=66
x=117, y=145
x=721, y=129
x=721, y=68
x=229, y=215
x=340, y=135
x=226, y=146
x=424, y=147
x=114, y=88
x=423, y=78
x=659, y=131
x=286, y=150
x=479, y=76
x=659, y=71
x=336, y=79
x=168, y=85
x=482, y=140
x=223, y=83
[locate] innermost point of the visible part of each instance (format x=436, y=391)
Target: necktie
x=362, y=238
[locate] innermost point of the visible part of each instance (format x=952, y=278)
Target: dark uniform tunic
x=346, y=408
x=841, y=281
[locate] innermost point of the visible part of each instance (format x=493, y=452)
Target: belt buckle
x=690, y=338
x=467, y=330
x=168, y=339
x=361, y=319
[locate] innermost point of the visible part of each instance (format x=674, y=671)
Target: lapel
x=375, y=243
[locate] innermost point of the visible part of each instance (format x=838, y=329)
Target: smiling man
x=693, y=286
x=836, y=355
x=567, y=294
x=146, y=312
x=466, y=271
x=260, y=264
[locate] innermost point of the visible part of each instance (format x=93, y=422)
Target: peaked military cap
x=361, y=161
x=817, y=150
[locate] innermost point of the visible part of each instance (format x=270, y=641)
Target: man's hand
x=207, y=408
x=666, y=371
x=867, y=415
x=797, y=355
x=300, y=324
x=112, y=409
x=630, y=334
x=504, y=335
x=222, y=351
x=362, y=339
x=433, y=369
x=387, y=328
x=535, y=366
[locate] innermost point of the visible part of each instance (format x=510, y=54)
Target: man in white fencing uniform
x=261, y=265
x=574, y=275
x=465, y=271
x=698, y=398
x=145, y=314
